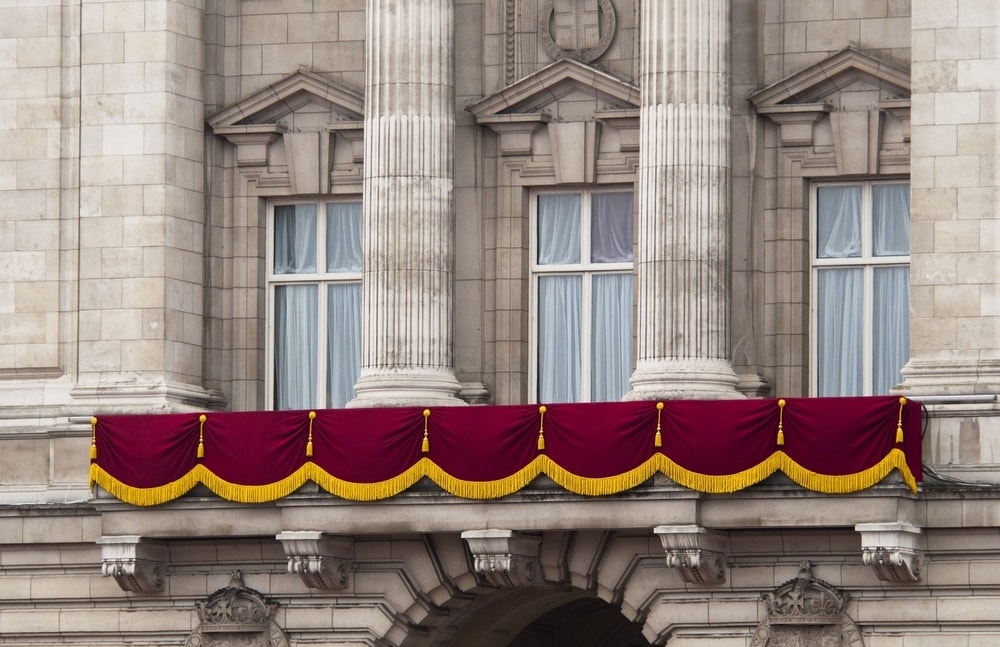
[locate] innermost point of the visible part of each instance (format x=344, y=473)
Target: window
x=581, y=296
x=860, y=287
x=314, y=301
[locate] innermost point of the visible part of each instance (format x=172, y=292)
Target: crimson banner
x=831, y=445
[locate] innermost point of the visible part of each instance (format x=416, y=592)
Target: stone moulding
x=320, y=560
x=504, y=557
x=137, y=564
x=697, y=553
x=894, y=550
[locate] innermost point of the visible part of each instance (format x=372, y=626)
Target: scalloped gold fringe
x=708, y=483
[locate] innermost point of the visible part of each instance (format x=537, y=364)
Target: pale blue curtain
x=343, y=237
x=611, y=228
x=891, y=220
x=343, y=342
x=559, y=330
x=839, y=331
x=295, y=239
x=295, y=346
x=891, y=321
x=611, y=342
x=558, y=229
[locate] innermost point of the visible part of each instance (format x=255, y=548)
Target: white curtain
x=295, y=239
x=343, y=342
x=343, y=237
x=558, y=229
x=295, y=346
x=891, y=220
x=611, y=228
x=611, y=341
x=838, y=222
x=559, y=304
x=891, y=321
x=839, y=331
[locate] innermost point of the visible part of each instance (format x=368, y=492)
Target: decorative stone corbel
x=893, y=549
x=137, y=564
x=320, y=560
x=697, y=553
x=505, y=557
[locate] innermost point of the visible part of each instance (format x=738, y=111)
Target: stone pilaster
x=683, y=262
x=955, y=202
x=408, y=203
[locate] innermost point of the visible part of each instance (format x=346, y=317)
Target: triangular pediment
x=301, y=91
x=850, y=69
x=565, y=80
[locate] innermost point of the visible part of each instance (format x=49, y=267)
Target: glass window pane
x=295, y=239
x=891, y=219
x=839, y=312
x=559, y=229
x=343, y=237
x=343, y=325
x=611, y=340
x=611, y=228
x=891, y=326
x=838, y=222
x=559, y=330
x=295, y=346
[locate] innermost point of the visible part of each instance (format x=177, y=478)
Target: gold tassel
x=309, y=445
x=93, y=438
x=899, y=425
x=781, y=421
x=541, y=429
x=201, y=435
x=425, y=445
x=658, y=441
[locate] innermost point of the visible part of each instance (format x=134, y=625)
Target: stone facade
x=144, y=145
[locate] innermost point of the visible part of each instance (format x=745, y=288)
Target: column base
x=949, y=377
x=687, y=379
x=406, y=388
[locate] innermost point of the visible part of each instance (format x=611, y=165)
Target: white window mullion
x=586, y=335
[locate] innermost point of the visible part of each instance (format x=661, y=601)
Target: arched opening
x=543, y=618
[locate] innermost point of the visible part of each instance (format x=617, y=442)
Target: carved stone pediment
x=286, y=134
x=806, y=611
x=237, y=616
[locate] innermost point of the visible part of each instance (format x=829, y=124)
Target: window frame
x=867, y=262
x=321, y=279
x=587, y=269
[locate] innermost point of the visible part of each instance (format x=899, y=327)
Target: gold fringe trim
x=584, y=486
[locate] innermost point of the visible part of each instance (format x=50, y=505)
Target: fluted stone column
x=408, y=203
x=683, y=264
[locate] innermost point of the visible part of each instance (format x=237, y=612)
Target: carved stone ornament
x=237, y=616
x=504, y=557
x=806, y=612
x=698, y=554
x=137, y=564
x=893, y=550
x=607, y=23
x=321, y=561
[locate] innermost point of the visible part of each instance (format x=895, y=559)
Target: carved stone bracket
x=322, y=561
x=137, y=564
x=893, y=549
x=697, y=553
x=505, y=557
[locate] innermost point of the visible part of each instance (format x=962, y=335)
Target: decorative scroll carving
x=137, y=564
x=893, y=549
x=607, y=27
x=237, y=616
x=698, y=554
x=504, y=557
x=321, y=561
x=806, y=612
